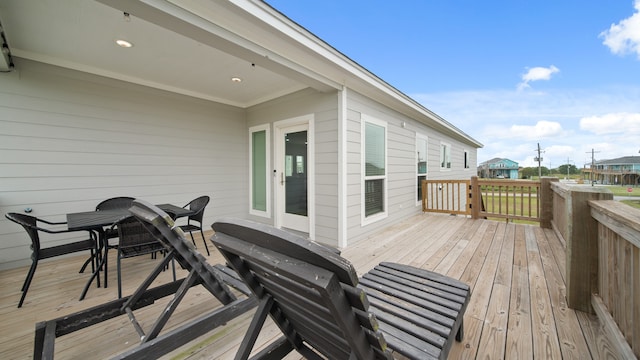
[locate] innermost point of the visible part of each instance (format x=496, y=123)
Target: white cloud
x=536, y=74
x=542, y=129
x=559, y=154
x=624, y=37
x=490, y=116
x=612, y=123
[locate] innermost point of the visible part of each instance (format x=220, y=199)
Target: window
x=259, y=170
x=466, y=159
x=421, y=160
x=445, y=156
x=374, y=140
x=300, y=164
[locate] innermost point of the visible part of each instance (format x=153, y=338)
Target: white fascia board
x=359, y=78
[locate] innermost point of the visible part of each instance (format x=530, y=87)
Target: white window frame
x=365, y=220
x=418, y=173
x=266, y=129
x=445, y=149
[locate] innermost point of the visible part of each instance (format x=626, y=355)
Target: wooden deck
x=517, y=309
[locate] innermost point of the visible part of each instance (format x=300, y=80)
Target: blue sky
x=510, y=73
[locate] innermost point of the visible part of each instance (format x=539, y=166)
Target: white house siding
x=324, y=107
x=401, y=163
x=457, y=170
x=69, y=140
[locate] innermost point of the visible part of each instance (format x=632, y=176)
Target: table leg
x=100, y=245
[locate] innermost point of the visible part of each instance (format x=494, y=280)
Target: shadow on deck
x=516, y=273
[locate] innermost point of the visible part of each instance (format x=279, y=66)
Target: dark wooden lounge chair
x=153, y=344
x=324, y=310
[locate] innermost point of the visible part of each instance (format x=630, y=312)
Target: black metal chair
x=120, y=202
x=136, y=240
x=197, y=205
x=115, y=203
x=30, y=224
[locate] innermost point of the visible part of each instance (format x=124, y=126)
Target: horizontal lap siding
x=69, y=140
x=401, y=163
x=324, y=107
x=400, y=167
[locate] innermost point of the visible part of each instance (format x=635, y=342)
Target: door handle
x=281, y=178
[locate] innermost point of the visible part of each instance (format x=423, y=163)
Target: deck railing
x=618, y=294
x=602, y=239
x=506, y=199
x=484, y=198
x=446, y=196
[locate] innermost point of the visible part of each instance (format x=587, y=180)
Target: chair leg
x=27, y=281
x=119, y=278
x=205, y=242
x=106, y=264
x=192, y=239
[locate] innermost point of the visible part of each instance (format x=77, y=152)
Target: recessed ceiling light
x=124, y=43
x=236, y=79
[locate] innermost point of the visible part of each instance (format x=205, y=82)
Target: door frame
x=280, y=127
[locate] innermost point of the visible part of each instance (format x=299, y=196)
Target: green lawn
x=633, y=203
x=623, y=190
x=493, y=203
x=616, y=190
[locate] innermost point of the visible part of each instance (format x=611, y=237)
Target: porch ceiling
x=195, y=48
x=188, y=54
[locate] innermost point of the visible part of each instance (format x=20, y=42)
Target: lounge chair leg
x=460, y=334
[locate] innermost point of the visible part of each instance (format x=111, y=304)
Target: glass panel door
x=293, y=177
x=296, y=173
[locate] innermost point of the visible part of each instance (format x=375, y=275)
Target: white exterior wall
x=324, y=108
x=401, y=164
x=70, y=140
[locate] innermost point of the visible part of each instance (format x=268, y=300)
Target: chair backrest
x=314, y=290
x=29, y=223
x=120, y=202
x=163, y=228
x=135, y=239
x=198, y=205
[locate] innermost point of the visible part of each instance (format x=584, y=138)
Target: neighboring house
x=498, y=168
x=620, y=171
x=229, y=99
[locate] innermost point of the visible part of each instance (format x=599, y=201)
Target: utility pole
x=568, y=165
x=539, y=160
x=593, y=164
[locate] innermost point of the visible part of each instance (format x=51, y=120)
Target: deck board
x=517, y=309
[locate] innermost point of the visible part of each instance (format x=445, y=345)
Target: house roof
x=195, y=48
x=498, y=160
x=625, y=160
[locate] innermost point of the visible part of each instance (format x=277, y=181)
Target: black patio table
x=98, y=220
